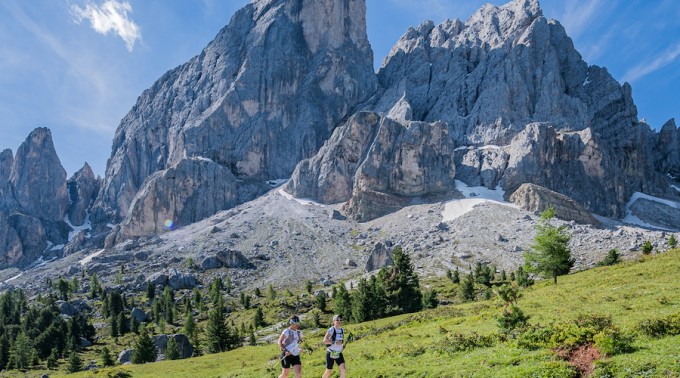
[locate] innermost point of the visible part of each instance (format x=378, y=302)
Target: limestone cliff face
x=33, y=200
x=535, y=198
x=38, y=179
x=378, y=164
x=266, y=93
x=519, y=105
x=82, y=191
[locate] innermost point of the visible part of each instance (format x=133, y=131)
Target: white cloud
x=578, y=16
x=645, y=68
x=112, y=15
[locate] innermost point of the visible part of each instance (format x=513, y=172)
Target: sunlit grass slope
x=432, y=343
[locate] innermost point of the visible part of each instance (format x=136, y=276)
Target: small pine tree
x=251, y=339
x=64, y=288
x=647, y=247
x=190, y=326
x=672, y=242
x=430, y=299
x=342, y=302
x=107, y=360
x=257, y=292
x=467, y=289
x=75, y=364
x=550, y=254
x=271, y=293
x=150, y=291
x=122, y=324
x=523, y=279
x=52, y=361
x=172, y=350
x=134, y=325
x=145, y=350
x=613, y=258
x=258, y=318
x=217, y=333
x=308, y=286
x=504, y=276
x=321, y=301
x=455, y=278
x=115, y=328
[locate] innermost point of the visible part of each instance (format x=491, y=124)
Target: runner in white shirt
x=334, y=340
x=289, y=344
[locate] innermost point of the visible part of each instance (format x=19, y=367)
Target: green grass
x=415, y=345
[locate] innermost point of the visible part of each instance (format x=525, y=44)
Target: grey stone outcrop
x=531, y=197
x=233, y=259
x=379, y=258
x=186, y=350
x=125, y=356
x=265, y=93
x=83, y=187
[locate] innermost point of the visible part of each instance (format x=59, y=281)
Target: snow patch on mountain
x=630, y=218
x=474, y=195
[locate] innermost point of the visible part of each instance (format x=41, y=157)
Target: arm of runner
x=282, y=338
x=327, y=339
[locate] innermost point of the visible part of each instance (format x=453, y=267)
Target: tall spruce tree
x=217, y=332
x=550, y=255
x=342, y=302
x=145, y=350
x=402, y=284
x=172, y=350
x=467, y=289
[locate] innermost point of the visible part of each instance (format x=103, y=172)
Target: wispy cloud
x=110, y=16
x=645, y=68
x=578, y=15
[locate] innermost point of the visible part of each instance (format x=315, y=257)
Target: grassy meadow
x=462, y=340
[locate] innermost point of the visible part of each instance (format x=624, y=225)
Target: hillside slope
x=448, y=341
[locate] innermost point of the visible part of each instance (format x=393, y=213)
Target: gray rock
x=336, y=215
x=139, y=315
x=159, y=278
x=233, y=259
x=350, y=263
x=82, y=191
x=186, y=350
x=260, y=97
x=125, y=357
x=378, y=164
x=379, y=258
x=532, y=197
x=66, y=308
x=181, y=280
x=75, y=244
x=211, y=263
x=84, y=343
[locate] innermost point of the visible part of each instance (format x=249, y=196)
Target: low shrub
x=661, y=327
x=612, y=341
x=458, y=342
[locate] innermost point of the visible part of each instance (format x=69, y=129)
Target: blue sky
x=78, y=66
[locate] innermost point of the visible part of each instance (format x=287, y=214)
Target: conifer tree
x=672, y=242
x=63, y=287
x=456, y=276
x=190, y=327
x=145, y=350
x=150, y=291
x=122, y=324
x=251, y=339
x=271, y=293
x=308, y=286
x=257, y=292
x=258, y=319
x=75, y=364
x=647, y=247
x=217, y=333
x=550, y=254
x=321, y=301
x=20, y=355
x=172, y=350
x=107, y=360
x=467, y=289
x=402, y=284
x=342, y=302
x=52, y=360
x=95, y=286
x=430, y=299
x=115, y=328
